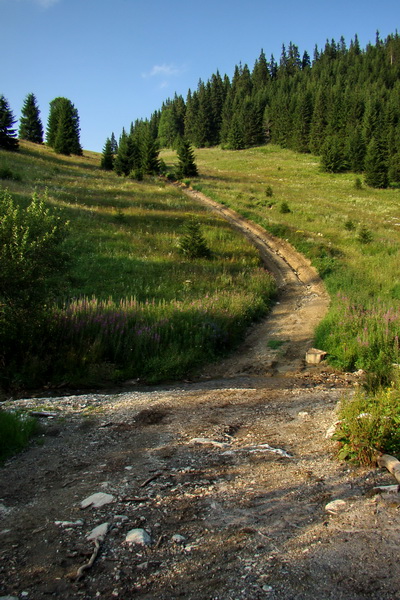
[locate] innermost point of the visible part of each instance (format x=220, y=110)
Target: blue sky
x=118, y=60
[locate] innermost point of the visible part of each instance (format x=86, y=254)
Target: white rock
x=97, y=500
x=77, y=523
x=98, y=533
x=332, y=430
x=138, y=536
x=178, y=539
x=303, y=414
x=335, y=506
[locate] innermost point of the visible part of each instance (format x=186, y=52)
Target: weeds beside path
x=302, y=303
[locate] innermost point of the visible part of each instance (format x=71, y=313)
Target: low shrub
x=368, y=425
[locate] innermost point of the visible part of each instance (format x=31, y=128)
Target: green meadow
x=349, y=231
x=132, y=305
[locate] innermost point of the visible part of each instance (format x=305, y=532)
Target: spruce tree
x=8, y=136
x=235, y=136
x=125, y=157
x=376, y=167
x=30, y=125
x=193, y=244
x=333, y=158
x=187, y=166
x=114, y=144
x=149, y=152
x=63, y=127
x=107, y=159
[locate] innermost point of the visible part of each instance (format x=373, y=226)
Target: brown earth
x=237, y=463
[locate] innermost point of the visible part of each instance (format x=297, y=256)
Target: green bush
x=368, y=425
x=284, y=208
x=6, y=173
x=269, y=191
x=32, y=265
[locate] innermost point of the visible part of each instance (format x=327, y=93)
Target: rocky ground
x=222, y=488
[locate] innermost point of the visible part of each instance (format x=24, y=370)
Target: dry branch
x=84, y=568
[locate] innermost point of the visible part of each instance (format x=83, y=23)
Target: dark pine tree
x=235, y=136
x=150, y=164
x=107, y=159
x=114, y=144
x=63, y=127
x=8, y=136
x=30, y=125
x=187, y=166
x=124, y=159
x=376, y=167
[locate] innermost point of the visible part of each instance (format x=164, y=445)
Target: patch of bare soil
x=231, y=476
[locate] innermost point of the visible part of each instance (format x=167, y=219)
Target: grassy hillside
x=133, y=305
x=350, y=232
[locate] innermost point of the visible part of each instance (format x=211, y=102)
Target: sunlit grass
x=257, y=181
x=124, y=243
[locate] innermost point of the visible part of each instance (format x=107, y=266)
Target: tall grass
x=133, y=305
x=16, y=429
x=350, y=232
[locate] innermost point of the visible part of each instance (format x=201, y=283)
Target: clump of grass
x=361, y=336
x=16, y=429
x=275, y=344
x=368, y=425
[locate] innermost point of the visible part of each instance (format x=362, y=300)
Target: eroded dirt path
x=230, y=476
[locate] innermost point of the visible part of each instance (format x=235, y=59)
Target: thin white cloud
x=164, y=71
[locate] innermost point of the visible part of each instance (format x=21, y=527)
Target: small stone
x=303, y=414
x=139, y=537
x=335, y=506
x=98, y=533
x=178, y=539
x=97, y=500
x=315, y=356
x=77, y=523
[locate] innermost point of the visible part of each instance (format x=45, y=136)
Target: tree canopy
x=63, y=130
x=8, y=135
x=30, y=125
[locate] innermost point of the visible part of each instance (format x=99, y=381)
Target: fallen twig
x=89, y=564
x=150, y=479
x=137, y=499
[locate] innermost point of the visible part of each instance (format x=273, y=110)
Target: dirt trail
x=231, y=476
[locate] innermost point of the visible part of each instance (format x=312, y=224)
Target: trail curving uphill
x=303, y=302
x=226, y=483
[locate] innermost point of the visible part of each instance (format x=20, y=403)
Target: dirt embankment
x=231, y=478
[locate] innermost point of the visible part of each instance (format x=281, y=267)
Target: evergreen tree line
x=343, y=105
x=137, y=153
x=63, y=132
